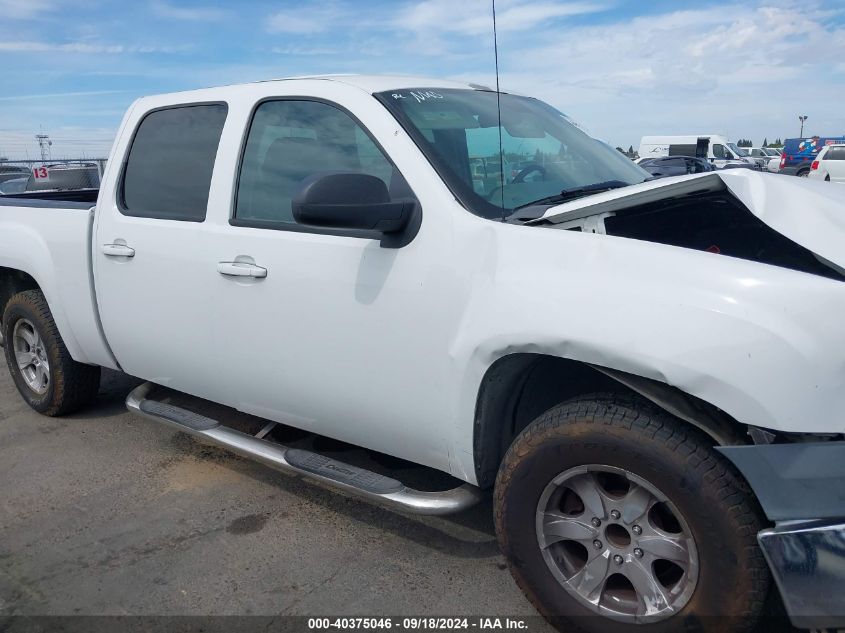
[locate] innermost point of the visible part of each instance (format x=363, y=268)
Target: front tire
x=46, y=376
x=615, y=516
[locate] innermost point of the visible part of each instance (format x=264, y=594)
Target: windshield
x=770, y=152
x=543, y=153
x=738, y=151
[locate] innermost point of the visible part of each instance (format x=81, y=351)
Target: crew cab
x=648, y=374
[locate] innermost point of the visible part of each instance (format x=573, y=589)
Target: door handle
x=118, y=250
x=241, y=269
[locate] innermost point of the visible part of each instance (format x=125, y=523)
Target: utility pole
x=44, y=144
x=802, y=118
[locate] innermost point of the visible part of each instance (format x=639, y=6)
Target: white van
x=716, y=148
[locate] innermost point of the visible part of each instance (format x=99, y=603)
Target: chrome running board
x=359, y=481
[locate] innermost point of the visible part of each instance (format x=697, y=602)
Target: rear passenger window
x=291, y=140
x=168, y=171
x=835, y=153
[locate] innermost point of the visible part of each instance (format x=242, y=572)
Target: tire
x=634, y=449
x=54, y=384
x=804, y=173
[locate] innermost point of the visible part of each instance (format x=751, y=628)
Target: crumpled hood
x=810, y=213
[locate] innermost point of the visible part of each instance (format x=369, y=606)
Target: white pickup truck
x=650, y=375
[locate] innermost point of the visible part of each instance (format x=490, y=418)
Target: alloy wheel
x=31, y=356
x=616, y=544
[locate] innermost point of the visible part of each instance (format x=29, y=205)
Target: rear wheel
x=804, y=173
x=46, y=376
x=609, y=507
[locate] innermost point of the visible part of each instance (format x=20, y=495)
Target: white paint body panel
x=387, y=348
x=52, y=246
x=829, y=170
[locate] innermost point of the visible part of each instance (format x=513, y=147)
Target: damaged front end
x=796, y=472
x=757, y=217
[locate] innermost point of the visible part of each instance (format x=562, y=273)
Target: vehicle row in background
x=65, y=176
x=675, y=166
x=714, y=148
x=764, y=156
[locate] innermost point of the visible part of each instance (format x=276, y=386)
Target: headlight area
x=801, y=488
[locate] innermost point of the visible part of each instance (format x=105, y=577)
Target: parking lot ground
x=105, y=513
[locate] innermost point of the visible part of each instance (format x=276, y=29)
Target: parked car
x=64, y=176
x=647, y=374
x=714, y=147
x=676, y=166
x=773, y=165
x=10, y=172
x=54, y=177
x=799, y=153
x=829, y=164
x=761, y=155
x=14, y=185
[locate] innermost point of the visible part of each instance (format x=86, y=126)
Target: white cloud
x=735, y=69
x=85, y=48
x=307, y=20
x=24, y=9
x=474, y=17
x=61, y=95
x=191, y=14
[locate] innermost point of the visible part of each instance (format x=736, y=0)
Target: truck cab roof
x=368, y=83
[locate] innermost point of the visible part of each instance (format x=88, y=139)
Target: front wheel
x=44, y=372
x=615, y=516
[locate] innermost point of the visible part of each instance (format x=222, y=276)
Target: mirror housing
x=351, y=201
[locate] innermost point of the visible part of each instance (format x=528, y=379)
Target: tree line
x=744, y=142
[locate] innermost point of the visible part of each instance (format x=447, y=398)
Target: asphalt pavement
x=103, y=513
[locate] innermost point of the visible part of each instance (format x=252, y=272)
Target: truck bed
x=78, y=198
x=50, y=240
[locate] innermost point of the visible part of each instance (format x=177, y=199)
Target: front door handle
x=118, y=250
x=241, y=269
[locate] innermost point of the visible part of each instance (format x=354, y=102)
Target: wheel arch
x=13, y=281
x=518, y=387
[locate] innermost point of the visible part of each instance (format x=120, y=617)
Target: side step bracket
x=328, y=471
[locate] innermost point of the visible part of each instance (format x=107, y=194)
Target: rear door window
x=168, y=170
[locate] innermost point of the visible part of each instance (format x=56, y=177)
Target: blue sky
x=622, y=68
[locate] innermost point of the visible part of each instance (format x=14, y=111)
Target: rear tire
x=610, y=442
x=46, y=376
x=804, y=173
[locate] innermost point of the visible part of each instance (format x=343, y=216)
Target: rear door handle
x=118, y=250
x=241, y=269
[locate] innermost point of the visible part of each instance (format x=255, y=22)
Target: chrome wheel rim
x=31, y=356
x=616, y=544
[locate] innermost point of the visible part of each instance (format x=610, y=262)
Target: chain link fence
x=28, y=176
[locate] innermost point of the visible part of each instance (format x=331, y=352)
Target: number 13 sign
x=39, y=173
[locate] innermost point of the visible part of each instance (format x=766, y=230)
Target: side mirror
x=351, y=201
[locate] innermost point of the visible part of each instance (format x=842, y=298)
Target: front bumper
x=801, y=488
x=807, y=560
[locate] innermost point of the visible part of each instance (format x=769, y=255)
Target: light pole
x=802, y=118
